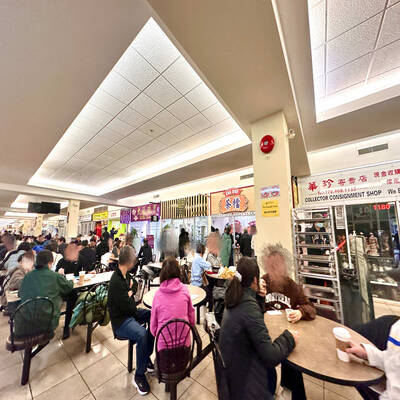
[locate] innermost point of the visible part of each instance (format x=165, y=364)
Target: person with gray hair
x=127, y=320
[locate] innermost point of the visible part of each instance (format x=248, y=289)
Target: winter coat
x=87, y=259
x=171, y=301
x=146, y=254
x=12, y=261
x=13, y=282
x=226, y=249
x=245, y=245
x=248, y=350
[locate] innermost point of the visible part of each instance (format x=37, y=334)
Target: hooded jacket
x=248, y=350
x=171, y=301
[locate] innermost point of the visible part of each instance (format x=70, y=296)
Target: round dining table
x=315, y=352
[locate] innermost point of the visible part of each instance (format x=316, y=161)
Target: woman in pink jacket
x=171, y=301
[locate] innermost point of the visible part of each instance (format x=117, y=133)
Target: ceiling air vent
x=246, y=176
x=373, y=149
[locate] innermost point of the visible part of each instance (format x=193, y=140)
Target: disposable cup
x=342, y=337
x=288, y=311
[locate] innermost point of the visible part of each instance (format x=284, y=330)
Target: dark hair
x=24, y=246
x=126, y=256
x=228, y=229
x=52, y=246
x=145, y=241
x=248, y=269
x=62, y=239
x=170, y=269
x=27, y=254
x=43, y=258
x=84, y=243
x=93, y=239
x=200, y=248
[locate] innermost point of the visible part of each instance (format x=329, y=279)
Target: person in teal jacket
x=43, y=282
x=226, y=248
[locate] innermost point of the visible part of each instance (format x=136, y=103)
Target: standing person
x=245, y=244
x=199, y=266
x=226, y=248
x=61, y=245
x=113, y=232
x=145, y=253
x=87, y=257
x=183, y=242
x=171, y=301
x=246, y=347
x=127, y=319
x=105, y=236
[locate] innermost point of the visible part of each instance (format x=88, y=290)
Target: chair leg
x=130, y=355
x=26, y=366
x=198, y=315
x=89, y=337
x=167, y=388
x=172, y=393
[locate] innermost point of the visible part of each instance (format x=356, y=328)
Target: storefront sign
x=125, y=216
x=85, y=218
x=233, y=201
x=114, y=214
x=101, y=216
x=144, y=213
x=270, y=192
x=150, y=240
x=181, y=206
x=360, y=185
x=270, y=208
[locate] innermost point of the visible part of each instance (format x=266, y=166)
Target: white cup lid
x=341, y=333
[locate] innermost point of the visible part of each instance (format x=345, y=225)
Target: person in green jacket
x=43, y=282
x=226, y=248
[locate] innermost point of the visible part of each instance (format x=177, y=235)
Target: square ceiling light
x=355, y=48
x=151, y=114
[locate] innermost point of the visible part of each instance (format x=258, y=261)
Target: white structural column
x=72, y=219
x=273, y=214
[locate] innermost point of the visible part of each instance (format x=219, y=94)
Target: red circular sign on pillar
x=267, y=144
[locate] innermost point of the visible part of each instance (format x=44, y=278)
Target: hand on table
x=61, y=271
x=295, y=316
x=358, y=350
x=296, y=336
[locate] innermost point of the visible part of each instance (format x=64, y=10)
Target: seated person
x=69, y=263
x=15, y=275
x=12, y=260
x=87, y=257
x=53, y=247
x=384, y=333
x=43, y=282
x=246, y=347
x=213, y=248
x=199, y=266
x=145, y=253
x=127, y=319
x=282, y=293
x=171, y=301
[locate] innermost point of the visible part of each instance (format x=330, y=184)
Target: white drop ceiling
x=150, y=113
x=355, y=53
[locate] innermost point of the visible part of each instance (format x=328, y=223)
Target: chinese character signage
x=233, y=201
x=114, y=214
x=270, y=208
x=355, y=186
x=144, y=213
x=100, y=216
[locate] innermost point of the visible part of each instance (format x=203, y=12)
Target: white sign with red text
x=362, y=185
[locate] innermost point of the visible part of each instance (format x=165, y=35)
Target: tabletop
x=315, y=353
x=197, y=294
x=218, y=275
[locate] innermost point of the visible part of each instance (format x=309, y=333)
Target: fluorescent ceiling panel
x=355, y=48
x=151, y=113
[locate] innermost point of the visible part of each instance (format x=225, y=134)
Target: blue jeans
x=132, y=329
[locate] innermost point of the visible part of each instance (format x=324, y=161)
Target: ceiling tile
x=168, y=139
x=216, y=113
x=198, y=123
x=391, y=2
x=151, y=129
x=181, y=131
x=317, y=24
x=106, y=102
x=76, y=163
x=390, y=30
x=153, y=44
x=132, y=117
x=87, y=126
x=386, y=58
x=120, y=126
x=95, y=114
x=135, y=69
x=86, y=155
x=344, y=14
x=139, y=138
x=110, y=135
x=120, y=88
x=348, y=75
x=201, y=97
x=318, y=61
x=162, y=92
x=166, y=120
x=181, y=75
x=157, y=146
x=182, y=109
x=352, y=44
x=146, y=106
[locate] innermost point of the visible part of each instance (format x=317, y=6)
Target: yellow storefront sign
x=101, y=216
x=270, y=208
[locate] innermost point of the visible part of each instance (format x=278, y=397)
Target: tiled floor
x=64, y=371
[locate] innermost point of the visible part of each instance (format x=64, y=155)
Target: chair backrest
x=140, y=291
x=174, y=350
x=32, y=318
x=95, y=301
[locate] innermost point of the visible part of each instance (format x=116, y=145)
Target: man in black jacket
x=127, y=320
x=145, y=253
x=87, y=257
x=245, y=245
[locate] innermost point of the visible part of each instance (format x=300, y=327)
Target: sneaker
x=150, y=367
x=141, y=384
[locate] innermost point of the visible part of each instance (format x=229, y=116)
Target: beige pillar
x=272, y=169
x=72, y=219
x=38, y=225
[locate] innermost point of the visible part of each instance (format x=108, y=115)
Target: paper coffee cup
x=81, y=277
x=342, y=337
x=288, y=311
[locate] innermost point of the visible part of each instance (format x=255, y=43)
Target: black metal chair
x=174, y=360
x=31, y=326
